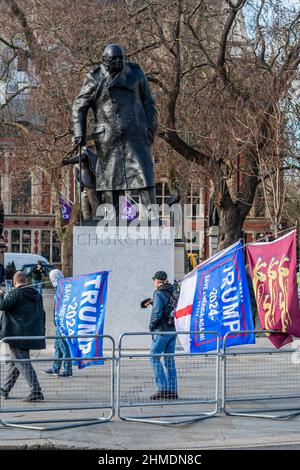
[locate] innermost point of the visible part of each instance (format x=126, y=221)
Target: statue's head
x=113, y=58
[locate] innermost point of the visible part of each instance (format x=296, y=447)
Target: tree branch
x=144, y=48
x=18, y=13
x=8, y=44
x=158, y=82
x=262, y=55
x=224, y=38
x=11, y=97
x=189, y=153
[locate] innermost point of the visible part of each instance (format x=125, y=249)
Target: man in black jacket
x=163, y=344
x=37, y=276
x=24, y=315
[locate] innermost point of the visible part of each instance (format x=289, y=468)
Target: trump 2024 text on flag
x=215, y=297
x=80, y=310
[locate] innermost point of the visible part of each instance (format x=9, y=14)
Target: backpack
x=171, y=306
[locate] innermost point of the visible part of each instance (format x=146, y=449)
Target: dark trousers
x=25, y=368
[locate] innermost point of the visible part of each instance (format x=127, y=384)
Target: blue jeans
x=61, y=350
x=38, y=286
x=164, y=344
x=8, y=284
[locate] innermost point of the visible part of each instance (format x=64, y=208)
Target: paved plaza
x=268, y=374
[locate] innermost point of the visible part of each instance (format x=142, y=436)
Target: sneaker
x=34, y=396
x=172, y=395
x=4, y=393
x=159, y=395
x=50, y=372
x=65, y=374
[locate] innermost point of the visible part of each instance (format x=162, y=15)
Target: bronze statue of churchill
x=124, y=125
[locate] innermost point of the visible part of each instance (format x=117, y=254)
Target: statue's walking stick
x=80, y=203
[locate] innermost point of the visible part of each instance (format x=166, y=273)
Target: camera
x=146, y=302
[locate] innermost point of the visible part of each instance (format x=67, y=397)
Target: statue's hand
x=80, y=141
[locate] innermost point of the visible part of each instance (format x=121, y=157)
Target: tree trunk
x=233, y=212
x=2, y=244
x=231, y=217
x=66, y=245
x=64, y=230
x=66, y=239
x=1, y=217
x=230, y=226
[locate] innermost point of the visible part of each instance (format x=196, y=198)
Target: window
x=193, y=201
x=56, y=256
x=45, y=244
x=21, y=241
x=21, y=198
x=22, y=60
x=162, y=193
x=26, y=241
x=11, y=87
x=15, y=241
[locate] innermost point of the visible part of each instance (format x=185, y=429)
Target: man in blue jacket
x=163, y=344
x=24, y=316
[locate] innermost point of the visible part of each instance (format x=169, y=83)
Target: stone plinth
x=133, y=261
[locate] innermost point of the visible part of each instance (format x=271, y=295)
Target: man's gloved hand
x=80, y=141
x=146, y=302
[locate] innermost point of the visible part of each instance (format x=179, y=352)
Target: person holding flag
x=163, y=344
x=61, y=348
x=80, y=306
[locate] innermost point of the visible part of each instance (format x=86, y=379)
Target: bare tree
x=217, y=67
x=60, y=48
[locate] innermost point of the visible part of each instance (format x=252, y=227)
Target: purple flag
x=65, y=206
x=129, y=211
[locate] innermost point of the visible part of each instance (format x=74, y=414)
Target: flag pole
x=241, y=248
x=263, y=238
x=80, y=181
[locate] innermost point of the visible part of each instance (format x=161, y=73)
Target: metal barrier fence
x=257, y=382
x=72, y=401
x=197, y=379
x=260, y=382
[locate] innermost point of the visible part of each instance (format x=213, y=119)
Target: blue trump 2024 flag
x=80, y=310
x=222, y=301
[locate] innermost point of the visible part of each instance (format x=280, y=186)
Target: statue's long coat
x=125, y=122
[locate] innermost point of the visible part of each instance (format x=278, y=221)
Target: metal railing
x=197, y=383
x=260, y=382
x=257, y=382
x=71, y=401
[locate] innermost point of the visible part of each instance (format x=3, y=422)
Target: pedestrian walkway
x=220, y=432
